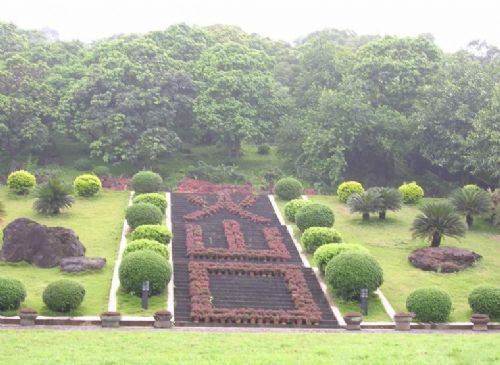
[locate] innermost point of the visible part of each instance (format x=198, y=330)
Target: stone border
x=170, y=286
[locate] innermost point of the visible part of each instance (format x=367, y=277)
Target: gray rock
x=79, y=263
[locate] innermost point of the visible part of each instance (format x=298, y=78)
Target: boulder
x=81, y=263
x=443, y=259
x=26, y=240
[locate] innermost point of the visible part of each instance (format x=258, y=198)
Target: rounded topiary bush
x=146, y=182
x=486, y=300
x=157, y=199
x=429, y=305
x=12, y=293
x=412, y=192
x=350, y=272
x=143, y=213
x=102, y=171
x=141, y=266
x=314, y=237
x=263, y=149
x=325, y=253
x=87, y=185
x=145, y=244
x=21, y=182
x=83, y=164
x=293, y=206
x=314, y=215
x=347, y=188
x=288, y=188
x=157, y=233
x=63, y=295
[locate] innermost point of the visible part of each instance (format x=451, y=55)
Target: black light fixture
x=364, y=301
x=145, y=294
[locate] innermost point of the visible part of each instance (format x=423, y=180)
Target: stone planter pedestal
x=403, y=321
x=110, y=319
x=480, y=322
x=28, y=317
x=163, y=319
x=353, y=321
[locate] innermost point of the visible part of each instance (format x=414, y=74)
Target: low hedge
x=143, y=213
x=157, y=233
x=12, y=293
x=347, y=188
x=21, y=182
x=146, y=182
x=288, y=188
x=157, y=199
x=87, y=185
x=314, y=237
x=293, y=206
x=429, y=305
x=63, y=295
x=486, y=300
x=314, y=215
x=145, y=244
x=325, y=253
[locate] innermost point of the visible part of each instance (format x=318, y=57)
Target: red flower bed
x=202, y=310
x=236, y=244
x=202, y=186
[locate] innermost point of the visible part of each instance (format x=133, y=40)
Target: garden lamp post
x=364, y=301
x=145, y=294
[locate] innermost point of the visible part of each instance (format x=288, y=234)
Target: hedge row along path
x=235, y=264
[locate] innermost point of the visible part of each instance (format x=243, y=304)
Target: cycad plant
x=437, y=220
x=471, y=202
x=365, y=203
x=53, y=196
x=390, y=199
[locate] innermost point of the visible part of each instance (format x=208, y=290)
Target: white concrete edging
x=170, y=287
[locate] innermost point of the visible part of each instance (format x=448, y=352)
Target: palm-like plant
x=365, y=203
x=391, y=199
x=53, y=196
x=438, y=219
x=471, y=202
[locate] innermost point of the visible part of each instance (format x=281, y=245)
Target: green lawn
x=98, y=222
x=390, y=242
x=30, y=347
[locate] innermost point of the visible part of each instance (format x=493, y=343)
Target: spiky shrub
x=145, y=244
x=157, y=233
x=365, y=203
x=486, y=300
x=437, y=220
x=288, y=188
x=412, y=192
x=146, y=182
x=143, y=213
x=390, y=199
x=314, y=215
x=350, y=272
x=314, y=237
x=12, y=293
x=87, y=185
x=52, y=196
x=325, y=253
x=21, y=182
x=471, y=202
x=141, y=266
x=157, y=199
x=63, y=295
x=429, y=305
x=293, y=206
x=347, y=188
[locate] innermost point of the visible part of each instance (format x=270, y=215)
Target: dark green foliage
x=293, y=206
x=263, y=149
x=390, y=199
x=350, y=272
x=314, y=237
x=102, y=171
x=325, y=253
x=63, y=295
x=140, y=266
x=347, y=188
x=429, y=305
x=157, y=199
x=21, y=182
x=437, y=220
x=412, y=192
x=158, y=233
x=145, y=244
x=83, y=164
x=314, y=215
x=471, y=202
x=486, y=300
x=143, y=213
x=12, y=293
x=288, y=188
x=146, y=182
x=52, y=196
x=87, y=185
x=366, y=202
x=217, y=174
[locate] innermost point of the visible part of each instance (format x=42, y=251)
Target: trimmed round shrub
x=102, y=171
x=325, y=253
x=83, y=164
x=314, y=215
x=141, y=266
x=429, y=305
x=471, y=187
x=143, y=213
x=263, y=149
x=12, y=293
x=156, y=233
x=486, y=300
x=347, y=188
x=288, y=188
x=412, y=192
x=314, y=237
x=157, y=199
x=293, y=206
x=63, y=295
x=21, y=182
x=145, y=244
x=87, y=185
x=146, y=182
x=350, y=272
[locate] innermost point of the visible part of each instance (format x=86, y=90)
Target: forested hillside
x=335, y=104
